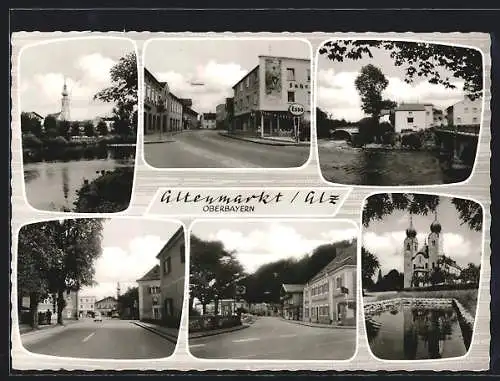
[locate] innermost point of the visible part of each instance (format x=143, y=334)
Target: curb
x=321, y=326
x=159, y=141
x=269, y=143
x=198, y=335
x=158, y=332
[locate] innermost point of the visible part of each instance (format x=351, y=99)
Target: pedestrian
x=49, y=316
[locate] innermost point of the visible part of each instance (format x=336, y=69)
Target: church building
x=63, y=115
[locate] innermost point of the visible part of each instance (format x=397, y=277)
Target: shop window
x=291, y=96
x=290, y=74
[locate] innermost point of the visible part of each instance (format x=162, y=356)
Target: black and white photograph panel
x=78, y=101
x=227, y=103
x=393, y=113
x=273, y=290
x=421, y=264
x=101, y=288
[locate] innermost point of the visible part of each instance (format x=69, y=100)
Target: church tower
x=65, y=102
x=435, y=243
x=409, y=250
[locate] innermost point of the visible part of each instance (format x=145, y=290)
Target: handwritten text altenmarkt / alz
x=187, y=197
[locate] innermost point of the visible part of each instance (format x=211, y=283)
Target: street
x=208, y=149
x=272, y=338
x=109, y=339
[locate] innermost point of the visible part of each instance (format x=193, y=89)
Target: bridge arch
x=341, y=134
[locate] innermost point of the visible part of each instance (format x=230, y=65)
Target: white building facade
x=413, y=117
x=467, y=112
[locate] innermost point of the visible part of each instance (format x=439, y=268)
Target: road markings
x=196, y=345
x=88, y=337
x=289, y=335
x=247, y=339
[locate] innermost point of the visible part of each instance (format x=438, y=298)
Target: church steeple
x=411, y=232
x=435, y=226
x=65, y=102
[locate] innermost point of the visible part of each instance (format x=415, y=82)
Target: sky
x=129, y=249
x=385, y=238
x=259, y=242
x=218, y=64
x=85, y=63
x=336, y=93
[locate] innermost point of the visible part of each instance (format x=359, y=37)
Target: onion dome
x=65, y=88
x=411, y=232
x=436, y=226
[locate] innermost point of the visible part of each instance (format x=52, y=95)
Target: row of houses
x=261, y=99
x=161, y=289
x=329, y=297
x=418, y=116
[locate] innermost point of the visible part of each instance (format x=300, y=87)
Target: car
x=98, y=317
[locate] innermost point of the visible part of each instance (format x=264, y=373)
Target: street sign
x=240, y=290
x=296, y=109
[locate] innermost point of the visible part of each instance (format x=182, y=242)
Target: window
x=290, y=74
x=339, y=282
x=414, y=266
x=247, y=82
x=308, y=75
x=291, y=96
x=408, y=247
x=410, y=112
x=459, y=119
x=167, y=266
x=466, y=109
x=409, y=120
x=474, y=109
x=183, y=253
x=474, y=119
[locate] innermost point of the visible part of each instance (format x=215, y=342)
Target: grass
x=468, y=298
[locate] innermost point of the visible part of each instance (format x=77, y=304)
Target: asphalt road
x=208, y=149
x=271, y=338
x=109, y=339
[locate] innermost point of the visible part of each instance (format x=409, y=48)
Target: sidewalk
x=318, y=325
x=166, y=137
x=270, y=140
x=171, y=334
x=29, y=335
x=214, y=332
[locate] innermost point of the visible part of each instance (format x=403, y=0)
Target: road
x=272, y=338
x=208, y=149
x=109, y=339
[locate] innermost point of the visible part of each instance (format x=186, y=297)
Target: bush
x=56, y=141
x=389, y=138
x=31, y=141
x=412, y=141
x=211, y=322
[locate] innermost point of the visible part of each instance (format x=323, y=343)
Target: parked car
x=115, y=315
x=97, y=317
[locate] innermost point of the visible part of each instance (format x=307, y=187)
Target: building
x=229, y=114
x=467, y=112
x=413, y=117
x=172, y=273
x=162, y=109
x=69, y=310
x=189, y=116
x=220, y=116
x=208, y=120
x=263, y=96
x=420, y=263
x=149, y=295
x=107, y=306
x=86, y=306
x=439, y=117
x=292, y=299
x=64, y=114
x=35, y=115
x=330, y=295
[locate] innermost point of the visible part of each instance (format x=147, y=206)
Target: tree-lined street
x=209, y=149
x=111, y=338
x=274, y=338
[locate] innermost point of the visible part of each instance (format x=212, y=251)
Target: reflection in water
x=386, y=168
x=415, y=333
x=52, y=185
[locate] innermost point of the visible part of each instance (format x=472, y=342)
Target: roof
x=346, y=256
x=285, y=58
x=55, y=114
x=153, y=274
x=177, y=235
x=290, y=288
x=150, y=75
x=410, y=107
x=36, y=114
x=246, y=75
x=106, y=298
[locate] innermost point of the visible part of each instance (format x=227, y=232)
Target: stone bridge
x=459, y=143
x=344, y=133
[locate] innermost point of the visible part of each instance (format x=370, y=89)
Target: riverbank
x=342, y=144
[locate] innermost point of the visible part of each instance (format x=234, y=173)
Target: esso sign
x=296, y=109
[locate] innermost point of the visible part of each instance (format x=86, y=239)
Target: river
x=52, y=184
x=343, y=164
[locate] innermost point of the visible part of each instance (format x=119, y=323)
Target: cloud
x=216, y=78
x=337, y=93
x=42, y=91
x=125, y=266
x=388, y=248
x=276, y=242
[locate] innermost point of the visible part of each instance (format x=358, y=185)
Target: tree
x=63, y=128
x=30, y=124
x=419, y=60
x=50, y=124
x=471, y=274
x=88, y=128
x=75, y=129
x=437, y=276
x=379, y=278
x=369, y=264
x=123, y=90
x=382, y=204
x=109, y=193
x=102, y=128
x=370, y=83
x=128, y=302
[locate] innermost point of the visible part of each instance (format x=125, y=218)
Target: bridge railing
x=467, y=129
